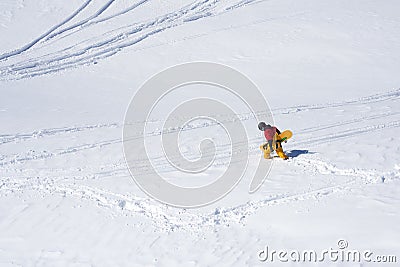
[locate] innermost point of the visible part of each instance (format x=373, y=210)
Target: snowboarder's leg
x=280, y=153
x=270, y=145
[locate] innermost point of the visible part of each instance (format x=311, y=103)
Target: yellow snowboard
x=285, y=135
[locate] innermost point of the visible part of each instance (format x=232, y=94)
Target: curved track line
x=96, y=20
x=43, y=36
x=100, y=11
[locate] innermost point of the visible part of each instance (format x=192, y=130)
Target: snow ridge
x=166, y=218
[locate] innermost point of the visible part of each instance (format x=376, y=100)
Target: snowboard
x=284, y=136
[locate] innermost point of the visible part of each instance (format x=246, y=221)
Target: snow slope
x=329, y=70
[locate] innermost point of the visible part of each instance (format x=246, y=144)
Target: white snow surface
x=68, y=69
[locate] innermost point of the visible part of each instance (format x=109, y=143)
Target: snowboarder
x=272, y=133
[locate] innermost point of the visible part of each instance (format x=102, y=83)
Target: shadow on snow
x=296, y=153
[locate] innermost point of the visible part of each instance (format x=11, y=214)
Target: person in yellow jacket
x=274, y=142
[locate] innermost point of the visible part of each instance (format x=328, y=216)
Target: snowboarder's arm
x=277, y=130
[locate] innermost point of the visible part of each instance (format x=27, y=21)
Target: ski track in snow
x=375, y=98
x=170, y=219
x=28, y=64
x=7, y=138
